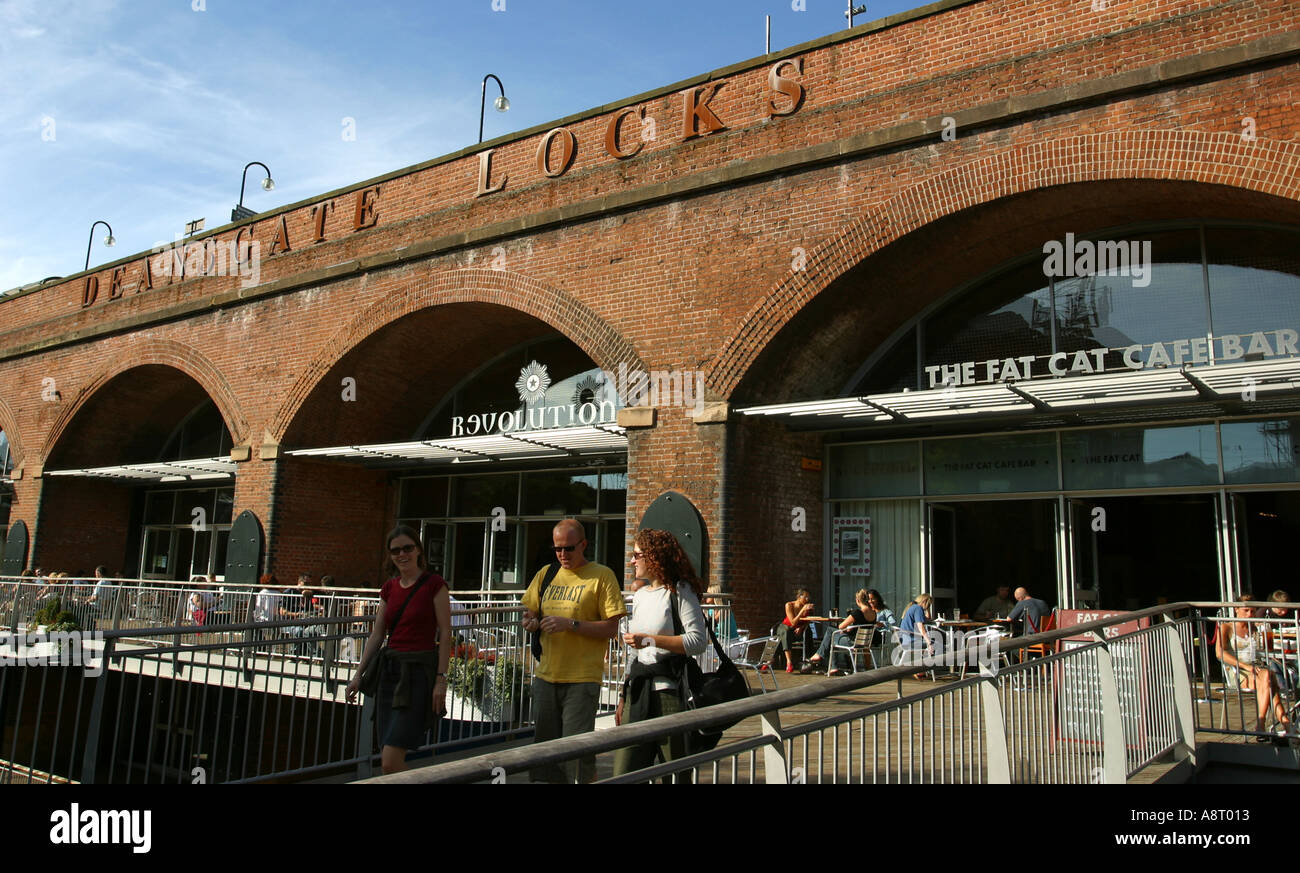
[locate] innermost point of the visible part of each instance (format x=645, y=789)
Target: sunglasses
x=565, y=549
x=637, y=556
x=402, y=550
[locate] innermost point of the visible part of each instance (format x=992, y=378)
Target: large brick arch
x=169, y=353
x=1262, y=166
x=9, y=424
x=579, y=323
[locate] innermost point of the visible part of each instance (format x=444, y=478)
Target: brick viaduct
x=773, y=222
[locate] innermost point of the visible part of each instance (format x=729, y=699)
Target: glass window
x=1261, y=451
x=560, y=494
x=188, y=501
x=477, y=496
x=1140, y=457
x=1254, y=288
x=880, y=470
x=1007, y=317
x=1157, y=302
x=425, y=497
x=991, y=465
x=158, y=507
x=894, y=371
x=613, y=493
x=5, y=463
x=225, y=506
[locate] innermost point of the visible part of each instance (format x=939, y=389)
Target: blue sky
x=144, y=112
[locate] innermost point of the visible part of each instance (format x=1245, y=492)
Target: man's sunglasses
x=565, y=549
x=402, y=550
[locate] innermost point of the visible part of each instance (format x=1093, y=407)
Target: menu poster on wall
x=851, y=546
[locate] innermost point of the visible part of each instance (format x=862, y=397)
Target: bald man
x=576, y=617
x=1031, y=609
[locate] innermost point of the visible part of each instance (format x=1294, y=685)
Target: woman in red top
x=413, y=687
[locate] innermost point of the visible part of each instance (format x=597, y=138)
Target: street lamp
x=501, y=104
x=109, y=241
x=241, y=211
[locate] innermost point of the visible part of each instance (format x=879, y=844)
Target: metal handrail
x=484, y=767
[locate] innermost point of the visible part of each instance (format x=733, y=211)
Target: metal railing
x=1229, y=696
x=1101, y=710
x=180, y=683
x=247, y=702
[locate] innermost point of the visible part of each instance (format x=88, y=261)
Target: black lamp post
x=501, y=103
x=108, y=242
x=241, y=211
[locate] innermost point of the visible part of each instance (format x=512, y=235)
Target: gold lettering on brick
x=281, y=238
x=485, y=174
x=697, y=118
x=568, y=148
x=365, y=215
x=90, y=292
x=115, y=283
x=782, y=85
x=611, y=135
x=318, y=214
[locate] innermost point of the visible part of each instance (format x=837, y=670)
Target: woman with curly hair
x=659, y=650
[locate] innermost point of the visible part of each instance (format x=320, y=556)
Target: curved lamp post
x=109, y=241
x=501, y=103
x=241, y=211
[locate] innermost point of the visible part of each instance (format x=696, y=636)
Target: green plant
x=467, y=677
x=509, y=680
x=55, y=618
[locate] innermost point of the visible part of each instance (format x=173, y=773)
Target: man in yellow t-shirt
x=578, y=617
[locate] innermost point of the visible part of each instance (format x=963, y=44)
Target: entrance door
x=943, y=556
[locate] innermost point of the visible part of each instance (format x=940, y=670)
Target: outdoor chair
x=766, y=646
x=859, y=645
x=907, y=654
x=982, y=637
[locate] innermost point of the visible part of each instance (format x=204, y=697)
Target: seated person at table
x=999, y=604
x=723, y=621
x=858, y=616
x=1236, y=646
x=793, y=625
x=1279, y=596
x=913, y=633
x=1031, y=609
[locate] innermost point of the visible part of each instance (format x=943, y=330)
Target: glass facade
x=1184, y=296
x=186, y=533
x=1116, y=516
x=493, y=530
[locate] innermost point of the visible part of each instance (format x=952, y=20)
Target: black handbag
x=700, y=689
x=374, y=669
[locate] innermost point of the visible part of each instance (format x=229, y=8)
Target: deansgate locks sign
x=554, y=156
x=1176, y=353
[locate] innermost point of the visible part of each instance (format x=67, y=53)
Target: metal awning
x=165, y=471
x=557, y=443
x=1236, y=384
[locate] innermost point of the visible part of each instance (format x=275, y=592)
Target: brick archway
x=168, y=353
x=8, y=424
x=1265, y=167
x=582, y=325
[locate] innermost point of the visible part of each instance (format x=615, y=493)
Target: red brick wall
x=696, y=280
